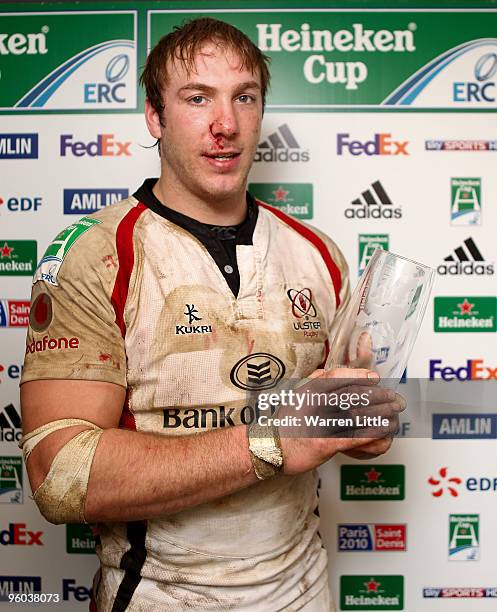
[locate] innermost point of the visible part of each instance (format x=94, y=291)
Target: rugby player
x=150, y=321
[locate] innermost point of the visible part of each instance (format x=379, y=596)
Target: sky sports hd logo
x=465, y=201
x=461, y=426
x=366, y=537
x=86, y=201
x=473, y=369
x=11, y=478
x=461, y=145
x=281, y=146
x=18, y=146
x=380, y=144
x=68, y=60
x=295, y=199
x=459, y=592
x=465, y=314
x=372, y=482
x=467, y=260
x=372, y=592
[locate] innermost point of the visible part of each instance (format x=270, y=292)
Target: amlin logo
x=84, y=201
x=18, y=146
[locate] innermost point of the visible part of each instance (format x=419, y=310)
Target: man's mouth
x=222, y=156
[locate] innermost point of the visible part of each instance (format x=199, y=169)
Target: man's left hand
x=375, y=448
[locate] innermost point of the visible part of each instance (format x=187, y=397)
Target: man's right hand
x=301, y=454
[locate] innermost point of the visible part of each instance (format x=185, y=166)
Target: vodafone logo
x=52, y=344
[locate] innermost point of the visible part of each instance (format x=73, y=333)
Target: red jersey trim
x=126, y=259
x=308, y=234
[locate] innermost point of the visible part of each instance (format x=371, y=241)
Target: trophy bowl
x=379, y=325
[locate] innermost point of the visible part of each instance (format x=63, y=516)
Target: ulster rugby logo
x=257, y=372
x=303, y=309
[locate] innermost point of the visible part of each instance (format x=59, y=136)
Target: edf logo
x=103, y=146
x=114, y=89
x=482, y=89
x=22, y=204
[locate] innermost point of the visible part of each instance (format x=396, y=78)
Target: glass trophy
x=382, y=320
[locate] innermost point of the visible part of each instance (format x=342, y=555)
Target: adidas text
x=469, y=267
x=281, y=155
x=373, y=213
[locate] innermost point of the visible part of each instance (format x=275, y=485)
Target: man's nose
x=225, y=122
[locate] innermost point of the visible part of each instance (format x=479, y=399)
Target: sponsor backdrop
x=379, y=130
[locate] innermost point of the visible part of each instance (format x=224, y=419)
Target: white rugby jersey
x=128, y=296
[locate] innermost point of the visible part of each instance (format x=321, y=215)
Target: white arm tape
x=61, y=496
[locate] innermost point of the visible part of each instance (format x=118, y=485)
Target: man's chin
x=223, y=191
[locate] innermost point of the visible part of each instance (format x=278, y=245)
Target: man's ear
x=153, y=120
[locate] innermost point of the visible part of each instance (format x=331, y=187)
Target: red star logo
x=280, y=194
x=372, y=586
x=373, y=475
x=466, y=307
x=6, y=251
x=441, y=484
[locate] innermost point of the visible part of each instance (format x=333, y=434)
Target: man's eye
x=197, y=99
x=246, y=99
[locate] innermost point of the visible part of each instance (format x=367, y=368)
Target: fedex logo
x=103, y=146
x=473, y=370
x=382, y=144
x=18, y=535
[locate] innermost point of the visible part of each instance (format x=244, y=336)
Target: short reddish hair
x=183, y=44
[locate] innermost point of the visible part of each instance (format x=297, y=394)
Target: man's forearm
x=138, y=476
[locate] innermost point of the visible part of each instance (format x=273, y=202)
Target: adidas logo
x=10, y=424
x=467, y=260
x=373, y=204
x=281, y=146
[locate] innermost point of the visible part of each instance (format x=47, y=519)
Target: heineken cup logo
x=318, y=68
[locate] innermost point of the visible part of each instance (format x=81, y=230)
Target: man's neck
x=230, y=211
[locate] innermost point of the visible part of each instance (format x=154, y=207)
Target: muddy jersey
x=130, y=297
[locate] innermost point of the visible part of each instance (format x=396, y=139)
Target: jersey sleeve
x=72, y=331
